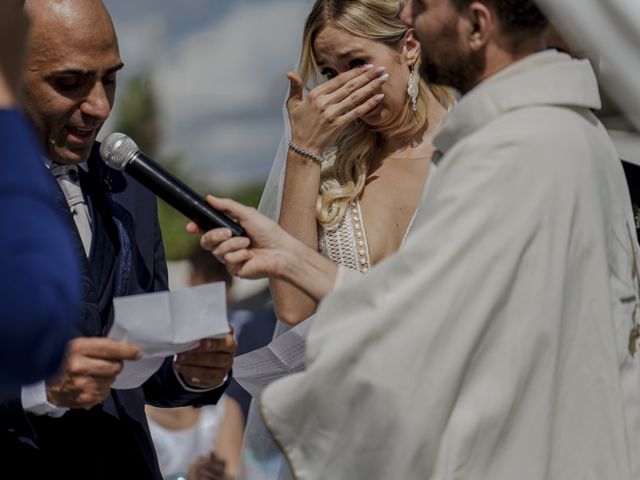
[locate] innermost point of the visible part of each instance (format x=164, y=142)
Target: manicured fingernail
x=381, y=69
x=379, y=97
x=368, y=67
x=383, y=78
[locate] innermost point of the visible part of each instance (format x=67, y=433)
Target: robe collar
x=566, y=82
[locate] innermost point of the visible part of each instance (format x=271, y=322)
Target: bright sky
x=218, y=67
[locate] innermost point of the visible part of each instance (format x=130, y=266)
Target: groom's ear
x=411, y=48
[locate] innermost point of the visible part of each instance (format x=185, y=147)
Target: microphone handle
x=178, y=195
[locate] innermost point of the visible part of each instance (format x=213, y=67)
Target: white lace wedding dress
x=346, y=244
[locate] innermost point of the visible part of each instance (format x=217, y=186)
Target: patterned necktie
x=69, y=181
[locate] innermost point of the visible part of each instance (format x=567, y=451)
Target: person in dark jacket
x=40, y=277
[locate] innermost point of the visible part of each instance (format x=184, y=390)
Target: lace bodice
x=346, y=243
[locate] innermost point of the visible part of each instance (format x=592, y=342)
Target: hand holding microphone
x=267, y=251
x=121, y=153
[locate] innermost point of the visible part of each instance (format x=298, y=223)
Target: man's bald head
x=68, y=21
x=71, y=65
x=67, y=12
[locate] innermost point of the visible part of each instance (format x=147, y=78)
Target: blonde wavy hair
x=343, y=179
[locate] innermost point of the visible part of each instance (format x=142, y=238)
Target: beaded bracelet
x=306, y=153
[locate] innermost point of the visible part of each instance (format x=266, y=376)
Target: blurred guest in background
x=74, y=425
x=203, y=443
x=254, y=321
x=39, y=278
x=185, y=437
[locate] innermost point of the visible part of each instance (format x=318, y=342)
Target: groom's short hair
x=516, y=16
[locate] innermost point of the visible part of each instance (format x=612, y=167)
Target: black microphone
x=121, y=153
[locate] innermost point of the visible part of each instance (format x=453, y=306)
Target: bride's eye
x=328, y=73
x=355, y=63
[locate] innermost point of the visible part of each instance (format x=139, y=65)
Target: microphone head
x=118, y=150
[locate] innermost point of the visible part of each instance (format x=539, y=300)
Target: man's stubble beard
x=445, y=62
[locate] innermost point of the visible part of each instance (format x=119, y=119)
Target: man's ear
x=411, y=48
x=482, y=22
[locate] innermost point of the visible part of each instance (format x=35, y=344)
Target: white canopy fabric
x=610, y=29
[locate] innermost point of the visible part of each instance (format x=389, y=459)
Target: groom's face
x=70, y=75
x=446, y=57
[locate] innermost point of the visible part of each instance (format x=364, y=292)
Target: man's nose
x=97, y=104
x=405, y=14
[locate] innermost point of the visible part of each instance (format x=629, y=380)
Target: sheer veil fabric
x=272, y=193
x=261, y=458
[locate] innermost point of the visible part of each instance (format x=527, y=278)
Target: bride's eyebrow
x=354, y=52
x=341, y=56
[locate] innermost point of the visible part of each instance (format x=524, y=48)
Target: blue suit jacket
x=111, y=440
x=39, y=277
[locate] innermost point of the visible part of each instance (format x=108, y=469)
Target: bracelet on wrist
x=307, y=154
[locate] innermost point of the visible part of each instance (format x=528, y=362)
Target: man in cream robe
x=494, y=345
x=499, y=342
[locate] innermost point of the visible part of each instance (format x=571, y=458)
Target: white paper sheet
x=283, y=356
x=165, y=323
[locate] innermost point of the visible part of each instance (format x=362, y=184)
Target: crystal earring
x=413, y=88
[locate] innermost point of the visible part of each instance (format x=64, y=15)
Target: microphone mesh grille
x=117, y=150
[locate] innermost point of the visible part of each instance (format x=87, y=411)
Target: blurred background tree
x=139, y=118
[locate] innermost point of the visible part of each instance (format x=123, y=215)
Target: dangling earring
x=413, y=88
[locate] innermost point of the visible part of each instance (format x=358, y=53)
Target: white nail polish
x=368, y=67
x=383, y=78
x=380, y=69
x=379, y=97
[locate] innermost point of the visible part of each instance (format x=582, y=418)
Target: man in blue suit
x=39, y=278
x=75, y=426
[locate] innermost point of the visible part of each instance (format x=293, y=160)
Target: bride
x=351, y=170
x=361, y=143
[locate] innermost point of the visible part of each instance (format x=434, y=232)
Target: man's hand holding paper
x=90, y=369
x=207, y=365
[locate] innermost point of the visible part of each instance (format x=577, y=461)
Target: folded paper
x=163, y=324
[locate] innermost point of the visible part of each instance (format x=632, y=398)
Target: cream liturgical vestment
x=496, y=344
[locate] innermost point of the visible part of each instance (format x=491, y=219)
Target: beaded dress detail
x=346, y=243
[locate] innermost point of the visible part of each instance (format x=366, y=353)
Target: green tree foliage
x=139, y=118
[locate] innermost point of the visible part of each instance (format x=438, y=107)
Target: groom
x=74, y=426
x=501, y=341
